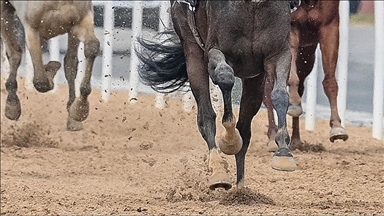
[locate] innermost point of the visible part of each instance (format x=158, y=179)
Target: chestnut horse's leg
x=79, y=109
x=14, y=53
x=272, y=127
x=279, y=69
x=251, y=99
x=206, y=116
x=303, y=67
x=329, y=44
x=222, y=75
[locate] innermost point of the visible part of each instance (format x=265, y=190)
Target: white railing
x=342, y=68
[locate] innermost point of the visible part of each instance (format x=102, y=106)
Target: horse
x=43, y=20
x=219, y=40
x=314, y=22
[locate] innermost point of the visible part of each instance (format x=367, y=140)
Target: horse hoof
x=220, y=180
x=230, y=149
x=283, y=160
x=73, y=125
x=295, y=110
x=13, y=111
x=338, y=133
x=79, y=110
x=52, y=66
x=271, y=146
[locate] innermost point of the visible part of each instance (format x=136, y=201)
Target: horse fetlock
x=13, y=108
x=43, y=84
x=282, y=138
x=230, y=142
x=283, y=160
x=295, y=110
x=79, y=110
x=271, y=145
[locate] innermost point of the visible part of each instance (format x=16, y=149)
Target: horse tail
x=162, y=64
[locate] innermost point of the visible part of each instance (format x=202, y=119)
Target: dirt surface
x=137, y=159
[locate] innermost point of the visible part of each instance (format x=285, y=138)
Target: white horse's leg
x=79, y=109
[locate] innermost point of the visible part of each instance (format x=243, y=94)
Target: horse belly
x=51, y=18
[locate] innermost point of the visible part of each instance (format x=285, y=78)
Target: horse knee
x=92, y=48
x=223, y=76
x=14, y=57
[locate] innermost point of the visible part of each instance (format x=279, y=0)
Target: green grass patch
x=362, y=19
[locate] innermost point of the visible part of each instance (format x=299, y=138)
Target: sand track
x=136, y=159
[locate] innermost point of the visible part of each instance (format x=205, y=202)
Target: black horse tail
x=162, y=64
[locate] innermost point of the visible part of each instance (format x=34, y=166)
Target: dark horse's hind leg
x=206, y=116
x=282, y=159
x=79, y=108
x=223, y=76
x=251, y=99
x=14, y=53
x=303, y=65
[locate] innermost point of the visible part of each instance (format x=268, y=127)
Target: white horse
x=43, y=20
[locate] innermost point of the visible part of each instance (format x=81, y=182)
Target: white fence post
x=28, y=67
x=342, y=66
x=54, y=55
x=378, y=89
x=109, y=22
x=310, y=108
x=80, y=69
x=137, y=20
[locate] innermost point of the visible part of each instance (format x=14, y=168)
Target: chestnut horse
x=43, y=20
x=314, y=22
x=219, y=40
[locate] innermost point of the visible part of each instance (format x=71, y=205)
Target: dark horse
x=43, y=20
x=314, y=22
x=221, y=40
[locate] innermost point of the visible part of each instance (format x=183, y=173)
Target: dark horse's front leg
x=279, y=69
x=206, y=116
x=251, y=99
x=222, y=75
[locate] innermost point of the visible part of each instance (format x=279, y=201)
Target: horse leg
x=206, y=116
x=251, y=99
x=14, y=54
x=294, y=109
x=329, y=43
x=43, y=74
x=272, y=128
x=282, y=159
x=79, y=109
x=222, y=75
x=304, y=65
x=70, y=68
